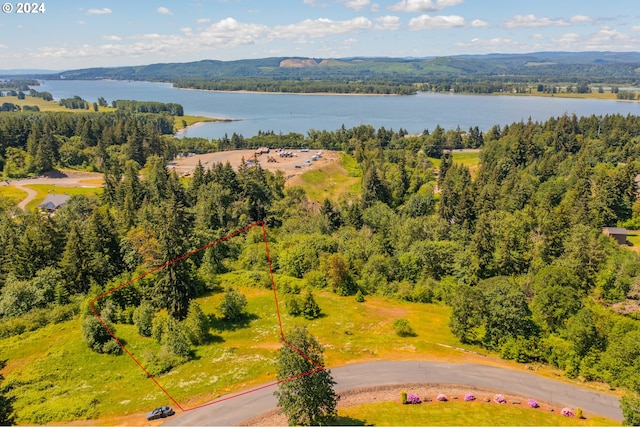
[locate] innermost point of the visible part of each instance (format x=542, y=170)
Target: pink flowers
x=533, y=404
x=413, y=399
x=469, y=397
x=498, y=398
x=441, y=398
x=566, y=412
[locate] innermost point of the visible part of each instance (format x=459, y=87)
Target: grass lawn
x=12, y=193
x=458, y=413
x=332, y=181
x=181, y=122
x=45, y=189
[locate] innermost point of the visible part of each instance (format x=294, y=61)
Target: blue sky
x=91, y=33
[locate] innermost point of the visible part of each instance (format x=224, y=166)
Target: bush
x=441, y=398
x=97, y=337
x=174, y=339
x=293, y=306
x=413, y=399
x=158, y=327
x=310, y=309
x=498, y=398
x=143, y=319
x=579, y=413
x=469, y=397
x=196, y=324
x=566, y=412
x=359, y=296
x=403, y=328
x=532, y=403
x=233, y=305
x=403, y=397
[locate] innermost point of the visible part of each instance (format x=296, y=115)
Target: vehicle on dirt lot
x=161, y=412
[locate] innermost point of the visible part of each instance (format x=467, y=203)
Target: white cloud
x=203, y=20
x=320, y=28
x=530, y=21
x=104, y=11
x=537, y=36
x=478, y=23
x=568, y=39
x=81, y=22
x=375, y=8
x=387, y=23
x=112, y=38
x=3, y=46
x=611, y=39
x=581, y=19
x=426, y=22
x=423, y=5
x=356, y=5
x=488, y=44
x=635, y=28
x=163, y=11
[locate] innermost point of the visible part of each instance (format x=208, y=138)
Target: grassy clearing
x=48, y=105
x=458, y=413
x=332, y=181
x=55, y=377
x=44, y=189
x=13, y=193
x=182, y=122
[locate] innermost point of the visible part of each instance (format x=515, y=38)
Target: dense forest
x=514, y=247
x=402, y=76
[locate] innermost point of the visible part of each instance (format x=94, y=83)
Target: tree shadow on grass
x=221, y=324
x=346, y=421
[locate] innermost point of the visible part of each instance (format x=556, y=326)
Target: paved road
x=236, y=410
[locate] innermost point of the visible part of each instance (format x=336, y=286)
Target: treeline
x=364, y=87
x=34, y=143
x=75, y=103
x=148, y=107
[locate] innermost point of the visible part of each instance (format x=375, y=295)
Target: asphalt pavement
x=234, y=411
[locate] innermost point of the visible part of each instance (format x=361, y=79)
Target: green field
x=44, y=189
x=459, y=413
x=12, y=193
x=55, y=377
x=332, y=181
x=46, y=105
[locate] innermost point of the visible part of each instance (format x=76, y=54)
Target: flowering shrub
x=533, y=403
x=442, y=398
x=469, y=397
x=413, y=399
x=566, y=412
x=498, y=398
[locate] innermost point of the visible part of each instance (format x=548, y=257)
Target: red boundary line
x=318, y=367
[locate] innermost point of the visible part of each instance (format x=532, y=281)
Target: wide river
x=299, y=113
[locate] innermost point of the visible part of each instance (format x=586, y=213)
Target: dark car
x=161, y=412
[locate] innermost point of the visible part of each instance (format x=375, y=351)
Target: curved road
x=236, y=410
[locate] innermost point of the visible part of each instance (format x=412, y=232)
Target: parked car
x=161, y=412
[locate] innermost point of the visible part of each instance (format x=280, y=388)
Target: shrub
x=469, y=397
x=293, y=306
x=97, y=337
x=403, y=397
x=158, y=327
x=566, y=412
x=403, y=328
x=143, y=319
x=413, y=399
x=233, y=305
x=498, y=398
x=533, y=404
x=441, y=397
x=196, y=324
x=579, y=413
x=359, y=296
x=310, y=309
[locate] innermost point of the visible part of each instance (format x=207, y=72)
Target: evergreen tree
x=310, y=309
x=196, y=325
x=233, y=305
x=6, y=402
x=74, y=262
x=309, y=399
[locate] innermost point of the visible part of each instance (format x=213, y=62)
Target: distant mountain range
x=592, y=66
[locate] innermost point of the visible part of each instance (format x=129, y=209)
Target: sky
x=71, y=34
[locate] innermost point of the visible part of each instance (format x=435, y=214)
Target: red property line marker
x=318, y=367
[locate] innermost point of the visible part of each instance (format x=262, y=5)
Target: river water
x=285, y=113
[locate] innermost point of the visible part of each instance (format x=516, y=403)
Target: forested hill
x=392, y=75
